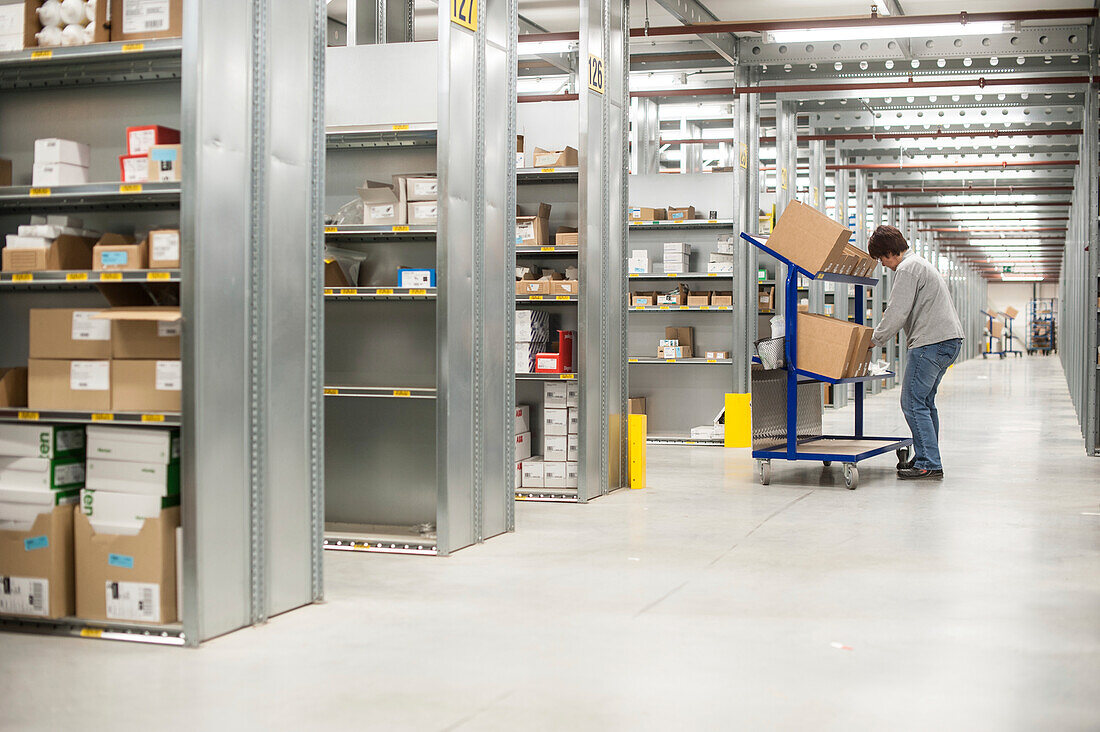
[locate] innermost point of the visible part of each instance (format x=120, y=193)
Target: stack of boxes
x=412, y=199
x=60, y=163
x=557, y=467
x=639, y=261
x=722, y=258
x=676, y=256
x=679, y=342
x=122, y=359
x=132, y=474
x=152, y=154
x=54, y=242
x=532, y=333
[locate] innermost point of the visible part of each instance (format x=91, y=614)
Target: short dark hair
x=886, y=240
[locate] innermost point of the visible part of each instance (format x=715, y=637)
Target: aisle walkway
x=705, y=602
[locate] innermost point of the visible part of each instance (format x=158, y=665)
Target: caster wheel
x=983, y=356
x=764, y=470
x=826, y=463
x=903, y=456
x=851, y=476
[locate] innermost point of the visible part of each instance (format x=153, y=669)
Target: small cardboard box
x=523, y=418
x=36, y=567
x=686, y=337
x=998, y=328
x=532, y=287
x=423, y=213
x=534, y=231
x=698, y=299
x=641, y=213
x=554, y=158
x=407, y=277
x=555, y=395
x=643, y=299
x=66, y=253
x=5, y=172
x=144, y=332
x=133, y=20
x=1011, y=311
x=69, y=385
x=677, y=296
x=533, y=472
x=550, y=363
x=133, y=168
x=825, y=345
x=572, y=394
x=115, y=252
x=69, y=334
x=523, y=445
x=58, y=174
x=681, y=214
x=861, y=352
x=636, y=405
x=565, y=287
x=127, y=578
x=419, y=187
x=555, y=472
x=146, y=385
x=381, y=204
x=334, y=274
x=55, y=151
x=163, y=248
x=717, y=354
x=722, y=298
x=567, y=236
x=555, y=449
x=766, y=297
x=141, y=139
x=13, y=387
x=165, y=163
x=809, y=238
x=519, y=152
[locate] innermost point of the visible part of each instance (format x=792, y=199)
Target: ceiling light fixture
x=886, y=31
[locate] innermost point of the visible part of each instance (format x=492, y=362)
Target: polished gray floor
x=702, y=602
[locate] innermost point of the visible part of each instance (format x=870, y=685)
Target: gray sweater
x=921, y=303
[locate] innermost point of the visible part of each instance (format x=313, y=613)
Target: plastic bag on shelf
x=350, y=214
x=779, y=326
x=350, y=262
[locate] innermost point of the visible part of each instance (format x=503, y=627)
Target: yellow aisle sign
x=744, y=157
x=464, y=12
x=595, y=74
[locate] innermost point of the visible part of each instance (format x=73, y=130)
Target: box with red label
x=133, y=168
x=140, y=140
x=549, y=363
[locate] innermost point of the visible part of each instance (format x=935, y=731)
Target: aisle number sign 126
x=595, y=74
x=464, y=12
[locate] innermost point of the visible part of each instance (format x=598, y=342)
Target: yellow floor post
x=738, y=420
x=637, y=428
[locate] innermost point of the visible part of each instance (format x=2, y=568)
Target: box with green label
x=36, y=567
x=41, y=441
x=43, y=474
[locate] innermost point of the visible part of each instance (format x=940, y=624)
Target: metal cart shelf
x=846, y=449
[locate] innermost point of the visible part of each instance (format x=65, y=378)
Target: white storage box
x=555, y=421
x=150, y=479
x=133, y=444
x=58, y=174
x=555, y=395
x=554, y=475
x=573, y=448
x=555, y=448
x=523, y=418
x=51, y=150
x=533, y=473
x=523, y=446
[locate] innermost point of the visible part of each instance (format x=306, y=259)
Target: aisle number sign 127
x=595, y=74
x=464, y=12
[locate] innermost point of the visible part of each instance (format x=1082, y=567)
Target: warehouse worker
x=920, y=303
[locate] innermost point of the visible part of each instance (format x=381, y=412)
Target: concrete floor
x=703, y=602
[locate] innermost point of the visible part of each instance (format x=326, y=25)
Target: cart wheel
x=903, y=456
x=764, y=469
x=851, y=476
x=983, y=356
x=1002, y=357
x=826, y=463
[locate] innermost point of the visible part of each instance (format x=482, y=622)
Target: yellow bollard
x=637, y=428
x=738, y=420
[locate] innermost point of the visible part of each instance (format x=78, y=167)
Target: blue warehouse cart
x=794, y=443
x=989, y=335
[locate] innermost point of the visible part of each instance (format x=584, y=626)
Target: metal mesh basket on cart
x=771, y=352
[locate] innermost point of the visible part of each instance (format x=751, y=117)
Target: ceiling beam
x=691, y=12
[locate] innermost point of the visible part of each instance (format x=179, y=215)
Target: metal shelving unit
x=416, y=397
x=250, y=435
x=591, y=197
x=1042, y=335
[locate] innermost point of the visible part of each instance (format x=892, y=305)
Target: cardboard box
x=525, y=354
x=636, y=405
x=416, y=278
x=66, y=253
x=555, y=395
x=133, y=168
x=163, y=248
x=716, y=354
x=419, y=187
x=381, y=204
x=567, y=236
x=534, y=231
x=40, y=475
x=146, y=385
x=1011, y=311
x=572, y=474
x=5, y=172
x=54, y=151
x=555, y=448
x=532, y=287
x=681, y=214
x=861, y=352
x=548, y=362
x=573, y=448
x=638, y=266
x=643, y=299
x=127, y=578
x=334, y=274
x=825, y=345
x=141, y=139
x=698, y=299
x=36, y=567
x=686, y=336
x=574, y=421
x=677, y=296
x=144, y=332
x=13, y=387
x=523, y=445
x=58, y=174
x=721, y=299
x=641, y=213
x=554, y=158
x=554, y=474
x=133, y=20
x=523, y=418
x=565, y=287
x=519, y=152
x=532, y=325
x=766, y=297
x=133, y=444
x=66, y=333
x=809, y=238
x=115, y=252
x=41, y=441
x=165, y=162
x=83, y=386
x=533, y=472
x=423, y=213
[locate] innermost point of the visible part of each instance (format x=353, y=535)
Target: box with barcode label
x=69, y=333
x=144, y=332
x=69, y=385
x=133, y=20
x=36, y=567
x=164, y=248
x=127, y=578
x=146, y=385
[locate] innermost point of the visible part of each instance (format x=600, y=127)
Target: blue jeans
x=924, y=370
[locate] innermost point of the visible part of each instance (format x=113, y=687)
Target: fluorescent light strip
x=869, y=32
